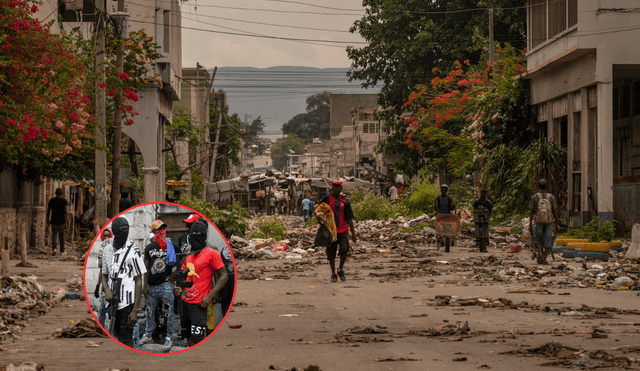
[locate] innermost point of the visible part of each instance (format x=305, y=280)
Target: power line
x=252, y=35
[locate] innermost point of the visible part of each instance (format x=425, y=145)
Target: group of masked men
x=189, y=278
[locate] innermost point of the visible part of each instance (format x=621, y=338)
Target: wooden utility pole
x=100, y=176
x=217, y=142
x=207, y=115
x=491, y=41
x=117, y=135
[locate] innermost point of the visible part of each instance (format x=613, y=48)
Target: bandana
x=103, y=237
x=161, y=238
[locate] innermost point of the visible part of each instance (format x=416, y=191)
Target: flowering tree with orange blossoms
x=462, y=114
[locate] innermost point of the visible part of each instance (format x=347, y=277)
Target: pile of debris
x=21, y=297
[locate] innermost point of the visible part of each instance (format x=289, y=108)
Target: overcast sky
x=211, y=48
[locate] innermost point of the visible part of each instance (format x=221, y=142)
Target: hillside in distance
x=276, y=94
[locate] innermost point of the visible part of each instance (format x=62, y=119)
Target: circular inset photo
x=160, y=278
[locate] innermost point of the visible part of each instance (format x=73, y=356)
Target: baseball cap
x=157, y=225
x=192, y=218
x=337, y=182
x=444, y=186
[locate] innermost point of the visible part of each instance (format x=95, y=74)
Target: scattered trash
x=86, y=328
x=401, y=359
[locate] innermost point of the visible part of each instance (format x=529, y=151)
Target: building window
x=70, y=11
x=365, y=128
x=167, y=31
x=548, y=18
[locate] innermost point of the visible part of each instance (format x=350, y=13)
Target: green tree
x=406, y=43
x=255, y=128
x=314, y=123
x=291, y=144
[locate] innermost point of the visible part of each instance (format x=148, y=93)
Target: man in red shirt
x=203, y=265
x=343, y=216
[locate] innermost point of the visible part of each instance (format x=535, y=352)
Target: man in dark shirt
x=482, y=202
x=57, y=217
x=157, y=284
x=125, y=202
x=444, y=203
x=343, y=216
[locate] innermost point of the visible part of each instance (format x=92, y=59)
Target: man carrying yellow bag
x=335, y=214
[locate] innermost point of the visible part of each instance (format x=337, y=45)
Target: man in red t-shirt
x=343, y=216
x=203, y=265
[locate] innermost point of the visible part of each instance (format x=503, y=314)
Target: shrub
x=232, y=221
x=373, y=207
x=357, y=195
x=270, y=227
x=596, y=230
x=422, y=197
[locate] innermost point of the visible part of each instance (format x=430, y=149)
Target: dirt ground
x=384, y=317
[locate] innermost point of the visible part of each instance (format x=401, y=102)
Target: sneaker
x=334, y=278
x=145, y=340
x=63, y=253
x=167, y=344
x=342, y=276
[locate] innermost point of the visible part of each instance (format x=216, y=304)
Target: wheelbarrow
x=538, y=251
x=481, y=220
x=447, y=229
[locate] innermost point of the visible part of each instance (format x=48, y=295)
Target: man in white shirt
x=122, y=261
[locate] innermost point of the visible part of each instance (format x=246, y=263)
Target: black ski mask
x=198, y=236
x=120, y=228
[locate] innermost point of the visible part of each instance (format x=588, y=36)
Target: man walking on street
x=343, y=216
x=482, y=202
x=158, y=285
x=57, y=218
x=306, y=207
x=123, y=268
x=272, y=205
x=543, y=207
x=203, y=266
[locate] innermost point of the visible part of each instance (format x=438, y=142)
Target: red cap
x=337, y=181
x=192, y=218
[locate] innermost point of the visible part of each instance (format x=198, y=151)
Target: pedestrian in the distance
x=125, y=202
x=544, y=209
x=445, y=206
x=57, y=218
x=393, y=193
x=272, y=205
x=306, y=207
x=343, y=216
x=482, y=202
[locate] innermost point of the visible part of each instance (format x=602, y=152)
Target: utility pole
x=217, y=142
x=117, y=135
x=100, y=176
x=491, y=41
x=207, y=104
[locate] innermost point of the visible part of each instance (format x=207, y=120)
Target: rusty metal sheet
x=626, y=207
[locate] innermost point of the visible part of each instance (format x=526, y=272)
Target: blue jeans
x=544, y=233
x=160, y=295
x=305, y=214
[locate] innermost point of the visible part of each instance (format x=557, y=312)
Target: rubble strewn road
x=404, y=306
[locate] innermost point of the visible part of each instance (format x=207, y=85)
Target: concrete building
x=195, y=99
x=367, y=133
x=162, y=20
x=584, y=72
x=342, y=151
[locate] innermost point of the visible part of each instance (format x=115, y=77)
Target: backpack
x=545, y=211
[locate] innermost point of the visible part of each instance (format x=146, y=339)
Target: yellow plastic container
x=614, y=243
x=564, y=241
x=589, y=246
